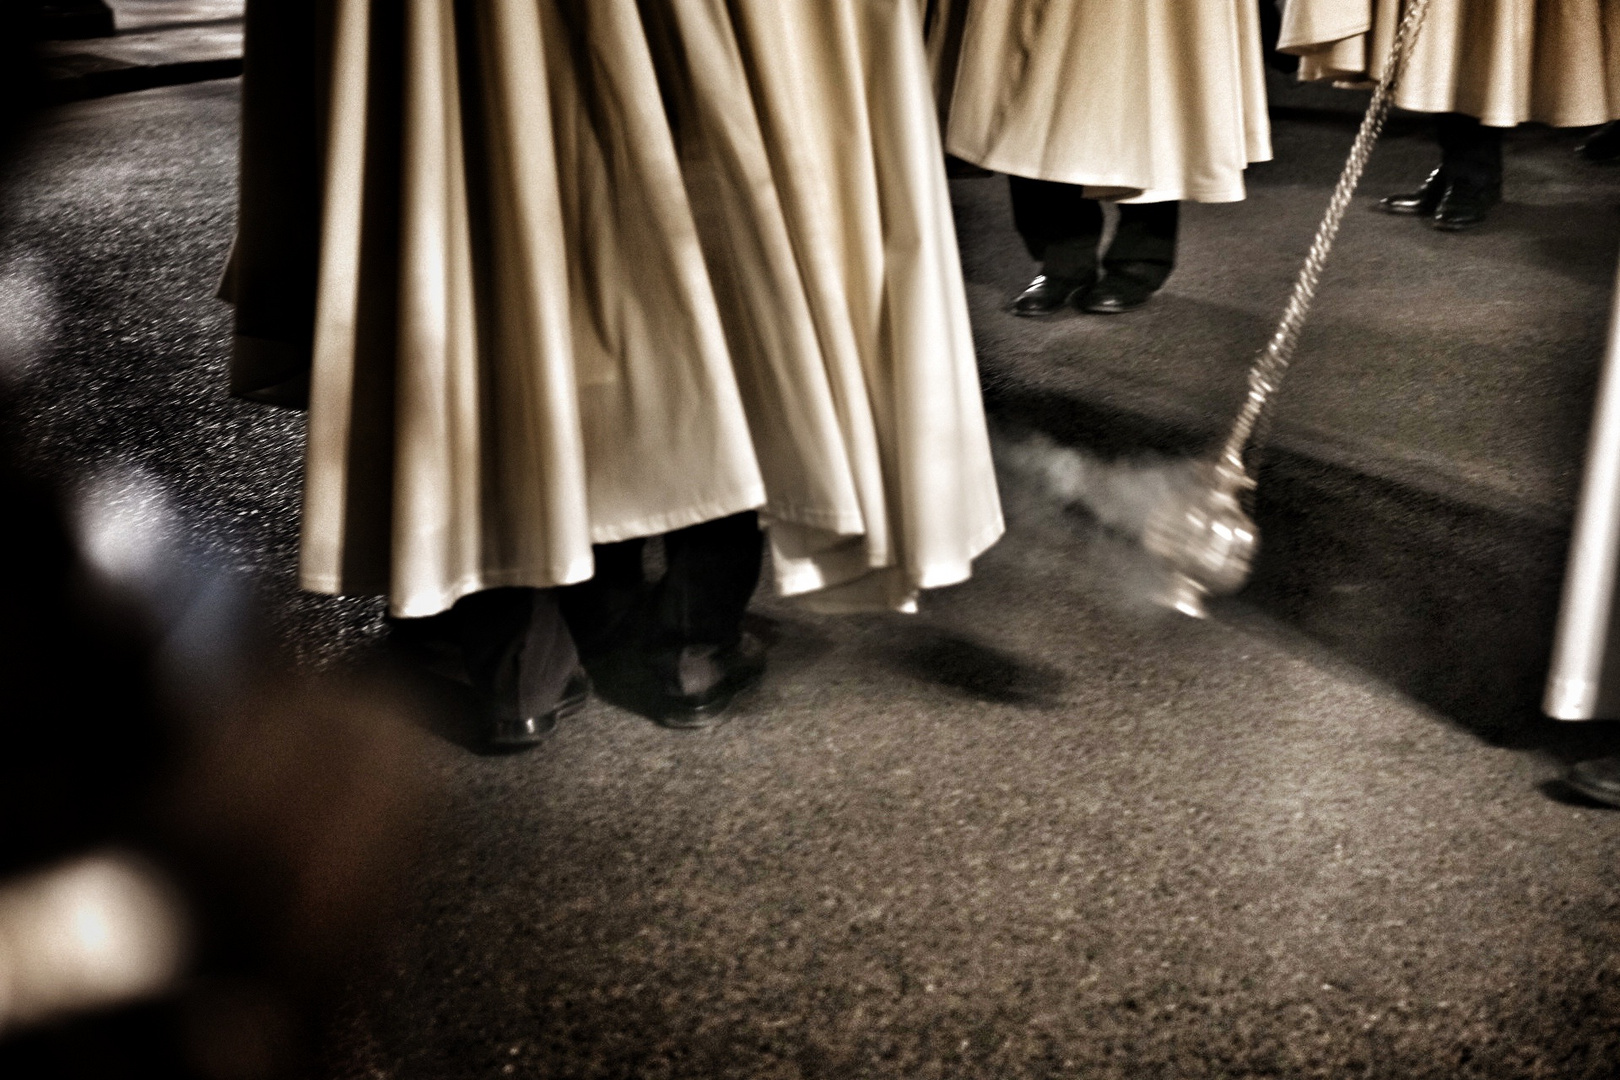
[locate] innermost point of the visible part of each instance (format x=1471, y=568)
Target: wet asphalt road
x=1041, y=829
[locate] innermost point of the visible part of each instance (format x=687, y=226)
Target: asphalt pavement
x=154, y=43
x=1041, y=828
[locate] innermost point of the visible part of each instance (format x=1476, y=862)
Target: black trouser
x=710, y=573
x=1062, y=229
x=515, y=645
x=1469, y=151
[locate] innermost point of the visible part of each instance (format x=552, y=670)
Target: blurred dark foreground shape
x=200, y=844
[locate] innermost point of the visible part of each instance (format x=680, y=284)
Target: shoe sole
x=520, y=742
x=1040, y=314
x=711, y=713
x=1440, y=225
x=1114, y=310
x=567, y=708
x=1046, y=313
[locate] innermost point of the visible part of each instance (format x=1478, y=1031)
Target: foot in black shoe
x=520, y=661
x=1047, y=294
x=705, y=680
x=1602, y=147
x=1422, y=202
x=1464, y=205
x=510, y=731
x=1597, y=779
x=1116, y=293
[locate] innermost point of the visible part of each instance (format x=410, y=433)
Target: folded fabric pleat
x=1504, y=62
x=597, y=269
x=1139, y=100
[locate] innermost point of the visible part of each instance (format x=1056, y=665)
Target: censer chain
x=1267, y=371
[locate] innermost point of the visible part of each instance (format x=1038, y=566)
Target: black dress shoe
x=691, y=687
x=1116, y=293
x=1464, y=205
x=1048, y=293
x=700, y=686
x=1597, y=779
x=1423, y=201
x=511, y=731
x=1602, y=147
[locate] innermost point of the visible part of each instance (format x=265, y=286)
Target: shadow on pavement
x=1450, y=604
x=1560, y=792
x=429, y=667
x=979, y=671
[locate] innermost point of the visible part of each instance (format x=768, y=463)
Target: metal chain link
x=1267, y=371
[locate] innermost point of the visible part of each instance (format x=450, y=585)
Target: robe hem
x=1108, y=187
x=443, y=599
x=1570, y=699
x=749, y=498
x=805, y=581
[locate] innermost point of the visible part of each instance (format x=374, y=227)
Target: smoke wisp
x=1122, y=495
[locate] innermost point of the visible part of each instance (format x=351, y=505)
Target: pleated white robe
x=1137, y=100
x=811, y=151
x=1503, y=62
x=548, y=342
x=1583, y=682
x=544, y=367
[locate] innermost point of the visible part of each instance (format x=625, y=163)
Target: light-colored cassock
x=596, y=308
x=1584, y=680
x=1503, y=62
x=1141, y=100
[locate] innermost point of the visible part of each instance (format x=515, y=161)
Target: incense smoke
x=1043, y=483
x=1122, y=495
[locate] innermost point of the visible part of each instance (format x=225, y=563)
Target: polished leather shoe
x=1423, y=201
x=1597, y=779
x=1047, y=294
x=690, y=687
x=705, y=680
x=1465, y=205
x=1602, y=147
x=1116, y=293
x=511, y=731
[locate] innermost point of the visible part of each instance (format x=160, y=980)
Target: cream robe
x=518, y=348
x=1141, y=100
x=1502, y=61
x=1583, y=679
x=539, y=365
x=811, y=150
